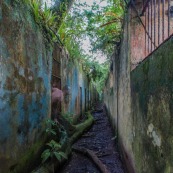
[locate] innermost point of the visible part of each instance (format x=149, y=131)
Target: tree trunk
x=91, y=154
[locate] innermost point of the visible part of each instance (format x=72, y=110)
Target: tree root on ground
x=66, y=146
x=91, y=154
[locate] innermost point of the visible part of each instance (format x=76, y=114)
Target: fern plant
x=49, y=17
x=36, y=7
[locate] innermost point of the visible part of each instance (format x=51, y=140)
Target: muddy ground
x=102, y=142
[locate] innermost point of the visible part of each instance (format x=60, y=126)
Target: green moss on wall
x=152, y=84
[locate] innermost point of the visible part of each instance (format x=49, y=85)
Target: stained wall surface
x=139, y=103
x=78, y=98
x=25, y=84
x=25, y=73
x=151, y=86
x=117, y=97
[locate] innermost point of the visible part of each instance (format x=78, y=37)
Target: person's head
x=54, y=85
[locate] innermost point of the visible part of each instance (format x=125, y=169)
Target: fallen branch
x=93, y=157
x=103, y=155
x=87, y=136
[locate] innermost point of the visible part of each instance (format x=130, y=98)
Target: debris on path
x=98, y=142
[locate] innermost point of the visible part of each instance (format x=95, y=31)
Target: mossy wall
x=25, y=90
x=110, y=95
x=25, y=86
x=139, y=104
x=80, y=94
x=117, y=97
x=152, y=105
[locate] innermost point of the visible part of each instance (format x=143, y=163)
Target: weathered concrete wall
x=25, y=73
x=76, y=101
x=152, y=106
x=25, y=83
x=140, y=106
x=117, y=97
x=110, y=95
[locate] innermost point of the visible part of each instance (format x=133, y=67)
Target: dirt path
x=99, y=139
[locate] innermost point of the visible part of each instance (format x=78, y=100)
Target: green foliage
x=51, y=127
x=102, y=25
x=99, y=74
x=49, y=17
x=44, y=15
x=52, y=152
x=68, y=116
x=36, y=7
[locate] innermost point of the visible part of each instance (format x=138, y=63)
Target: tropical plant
x=51, y=127
x=99, y=24
x=49, y=17
x=102, y=25
x=53, y=152
x=68, y=116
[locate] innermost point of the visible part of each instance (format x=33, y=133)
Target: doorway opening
x=57, y=94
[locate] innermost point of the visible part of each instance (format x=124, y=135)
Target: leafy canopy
x=101, y=25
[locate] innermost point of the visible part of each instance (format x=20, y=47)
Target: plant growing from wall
x=45, y=18
x=48, y=19
x=101, y=25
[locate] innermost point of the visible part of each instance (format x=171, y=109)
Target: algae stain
x=156, y=138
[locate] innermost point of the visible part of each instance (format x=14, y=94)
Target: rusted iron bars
x=148, y=28
x=168, y=18
x=147, y=32
x=145, y=37
x=156, y=23
x=145, y=7
x=151, y=2
x=163, y=19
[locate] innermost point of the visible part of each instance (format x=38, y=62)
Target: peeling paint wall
x=77, y=100
x=140, y=107
x=25, y=73
x=25, y=83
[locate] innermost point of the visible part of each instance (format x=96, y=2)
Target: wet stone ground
x=102, y=142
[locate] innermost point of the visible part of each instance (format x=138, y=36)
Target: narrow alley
x=58, y=58
x=99, y=140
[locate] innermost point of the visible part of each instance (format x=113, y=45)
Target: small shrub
x=52, y=152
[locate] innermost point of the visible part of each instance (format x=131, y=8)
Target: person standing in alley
x=56, y=99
